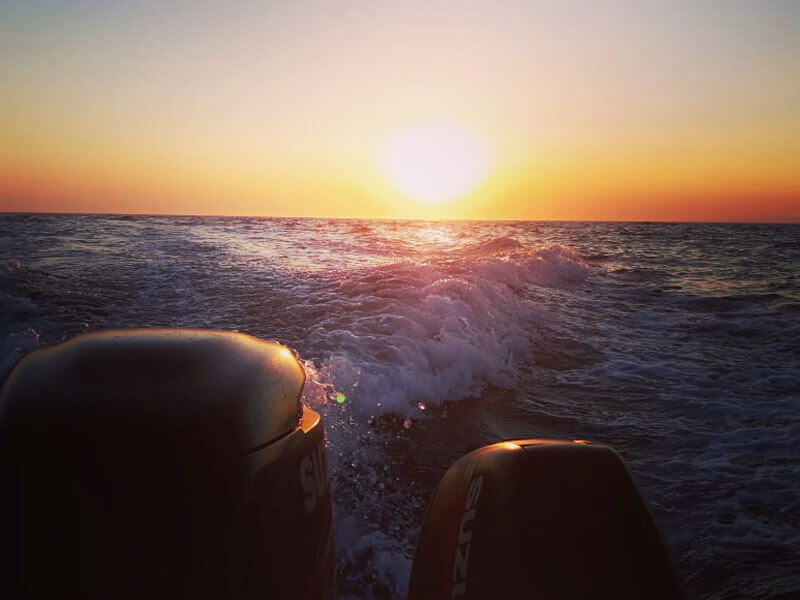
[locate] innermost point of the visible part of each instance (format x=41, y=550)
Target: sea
x=677, y=344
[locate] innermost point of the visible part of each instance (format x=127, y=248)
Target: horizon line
x=796, y=221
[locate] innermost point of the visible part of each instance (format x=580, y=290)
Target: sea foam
x=439, y=330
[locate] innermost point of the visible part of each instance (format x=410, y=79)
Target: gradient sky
x=591, y=110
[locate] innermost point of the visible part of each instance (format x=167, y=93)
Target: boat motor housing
x=540, y=519
x=162, y=464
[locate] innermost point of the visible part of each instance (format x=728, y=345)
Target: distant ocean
x=678, y=344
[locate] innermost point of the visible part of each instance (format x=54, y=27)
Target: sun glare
x=434, y=163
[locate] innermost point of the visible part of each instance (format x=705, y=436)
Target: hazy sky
x=589, y=110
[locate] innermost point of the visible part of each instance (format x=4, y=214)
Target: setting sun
x=434, y=163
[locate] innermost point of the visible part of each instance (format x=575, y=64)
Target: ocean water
x=678, y=344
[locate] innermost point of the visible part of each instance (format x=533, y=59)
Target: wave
x=496, y=245
x=411, y=334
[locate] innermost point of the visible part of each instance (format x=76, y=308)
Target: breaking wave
x=413, y=334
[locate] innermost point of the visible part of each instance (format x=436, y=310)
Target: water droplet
x=407, y=423
x=421, y=405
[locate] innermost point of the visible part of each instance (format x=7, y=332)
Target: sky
x=676, y=111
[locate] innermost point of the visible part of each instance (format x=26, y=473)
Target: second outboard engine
x=540, y=519
x=162, y=464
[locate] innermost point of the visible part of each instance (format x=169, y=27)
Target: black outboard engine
x=540, y=519
x=162, y=464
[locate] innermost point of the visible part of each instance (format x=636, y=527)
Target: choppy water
x=679, y=344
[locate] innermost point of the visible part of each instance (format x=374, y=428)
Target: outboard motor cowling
x=163, y=464
x=540, y=519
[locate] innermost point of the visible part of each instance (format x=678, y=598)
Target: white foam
x=439, y=330
x=364, y=546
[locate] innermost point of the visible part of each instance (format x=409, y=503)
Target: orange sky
x=632, y=111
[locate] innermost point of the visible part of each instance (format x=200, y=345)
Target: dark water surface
x=678, y=344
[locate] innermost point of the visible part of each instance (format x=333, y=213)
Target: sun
x=435, y=162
